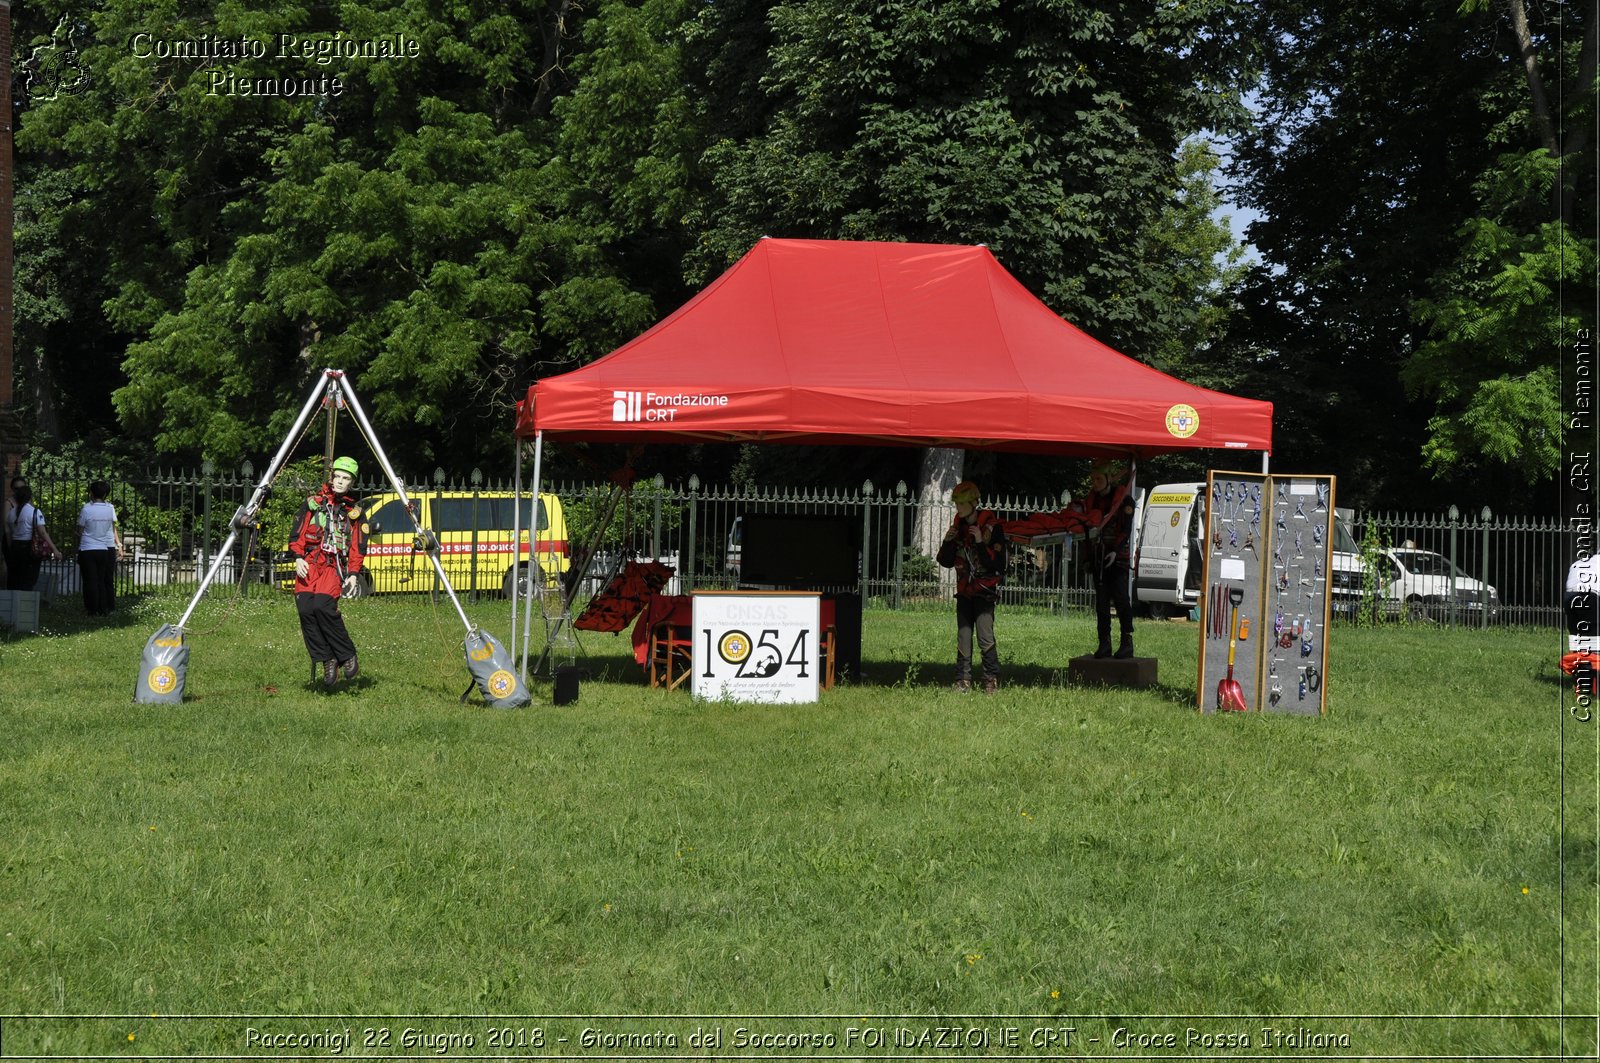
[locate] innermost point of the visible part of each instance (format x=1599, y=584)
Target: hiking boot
x=962, y=686
x=1104, y=651
x=1125, y=650
x=991, y=684
x=351, y=667
x=330, y=673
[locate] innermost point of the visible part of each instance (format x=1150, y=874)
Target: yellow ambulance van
x=394, y=564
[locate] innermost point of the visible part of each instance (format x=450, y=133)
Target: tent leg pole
x=534, y=570
x=516, y=537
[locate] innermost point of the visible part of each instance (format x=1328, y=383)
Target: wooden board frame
x=1271, y=537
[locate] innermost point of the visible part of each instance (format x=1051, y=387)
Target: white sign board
x=757, y=646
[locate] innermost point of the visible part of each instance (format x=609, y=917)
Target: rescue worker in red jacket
x=327, y=549
x=1105, y=519
x=975, y=546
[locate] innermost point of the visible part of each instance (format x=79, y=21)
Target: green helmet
x=1113, y=469
x=346, y=465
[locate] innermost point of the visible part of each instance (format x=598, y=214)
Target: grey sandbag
x=493, y=671
x=163, y=668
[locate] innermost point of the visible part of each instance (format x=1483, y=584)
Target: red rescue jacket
x=979, y=559
x=328, y=535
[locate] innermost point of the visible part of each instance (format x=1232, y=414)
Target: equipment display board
x=1301, y=538
x=1264, y=616
x=1231, y=630
x=759, y=646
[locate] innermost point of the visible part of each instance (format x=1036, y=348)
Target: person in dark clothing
x=1108, y=524
x=975, y=546
x=1105, y=519
x=328, y=555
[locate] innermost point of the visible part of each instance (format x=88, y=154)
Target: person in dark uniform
x=1105, y=519
x=327, y=548
x=1108, y=526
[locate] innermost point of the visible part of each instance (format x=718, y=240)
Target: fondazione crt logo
x=629, y=406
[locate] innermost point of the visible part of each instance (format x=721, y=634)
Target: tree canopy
x=215, y=200
x=410, y=225
x=1416, y=257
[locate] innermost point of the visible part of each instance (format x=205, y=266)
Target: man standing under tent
x=1105, y=519
x=1109, y=518
x=327, y=547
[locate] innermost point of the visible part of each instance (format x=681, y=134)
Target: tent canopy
x=882, y=344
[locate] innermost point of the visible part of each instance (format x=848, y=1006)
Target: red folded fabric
x=624, y=597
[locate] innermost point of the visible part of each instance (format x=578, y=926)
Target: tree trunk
x=555, y=32
x=1530, y=70
x=1551, y=126
x=941, y=471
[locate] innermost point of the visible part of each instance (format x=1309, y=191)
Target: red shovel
x=1230, y=695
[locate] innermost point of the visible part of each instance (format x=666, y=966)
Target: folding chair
x=827, y=640
x=670, y=657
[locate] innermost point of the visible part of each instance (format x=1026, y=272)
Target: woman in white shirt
x=99, y=550
x=24, y=523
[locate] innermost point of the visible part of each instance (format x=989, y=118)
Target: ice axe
x=1230, y=695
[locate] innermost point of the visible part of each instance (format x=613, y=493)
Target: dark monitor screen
x=800, y=551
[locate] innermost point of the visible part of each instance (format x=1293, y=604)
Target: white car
x=1420, y=582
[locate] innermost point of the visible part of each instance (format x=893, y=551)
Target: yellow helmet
x=1113, y=469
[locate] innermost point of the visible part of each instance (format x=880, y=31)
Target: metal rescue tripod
x=162, y=671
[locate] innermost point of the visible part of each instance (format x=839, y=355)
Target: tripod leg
x=256, y=496
x=360, y=415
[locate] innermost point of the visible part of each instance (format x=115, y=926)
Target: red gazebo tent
x=880, y=344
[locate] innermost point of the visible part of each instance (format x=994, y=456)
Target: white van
x=1346, y=573
x=1419, y=583
x=1169, y=565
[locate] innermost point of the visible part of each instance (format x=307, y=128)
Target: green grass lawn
x=897, y=849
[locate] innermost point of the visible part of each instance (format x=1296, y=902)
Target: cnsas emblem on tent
x=1183, y=420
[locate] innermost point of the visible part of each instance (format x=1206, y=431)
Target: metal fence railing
x=174, y=522
x=697, y=530
x=1523, y=559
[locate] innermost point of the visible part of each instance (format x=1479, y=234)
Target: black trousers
x=22, y=568
x=1112, y=589
x=323, y=628
x=97, y=570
